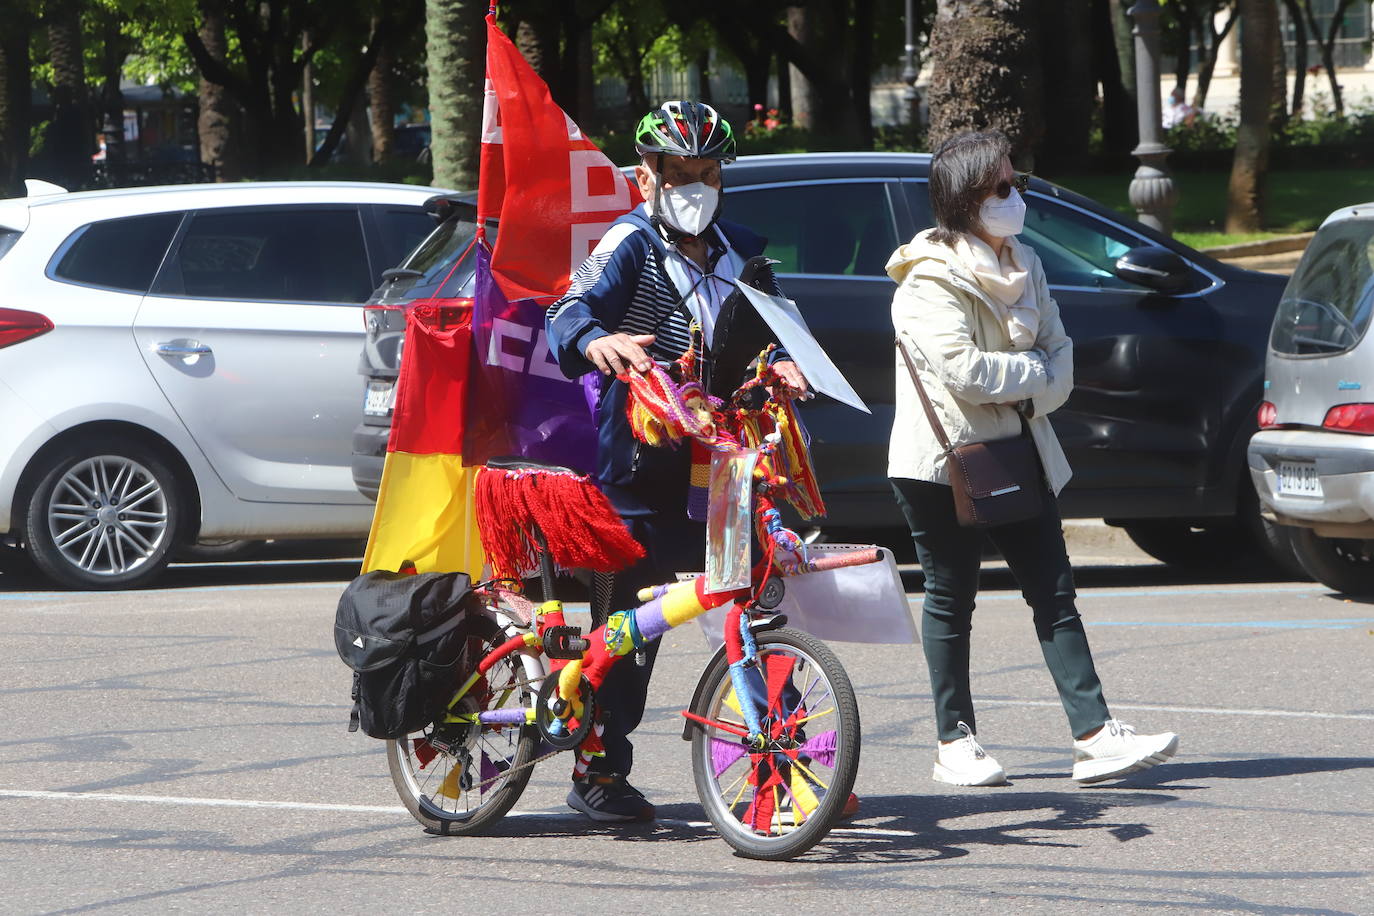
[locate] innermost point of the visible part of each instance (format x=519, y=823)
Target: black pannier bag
x=402, y=637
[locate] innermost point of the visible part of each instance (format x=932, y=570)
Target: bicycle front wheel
x=457, y=778
x=778, y=803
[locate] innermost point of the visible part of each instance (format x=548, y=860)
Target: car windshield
x=1327, y=304
x=434, y=261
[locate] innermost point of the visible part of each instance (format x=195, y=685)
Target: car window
x=118, y=253
x=1327, y=304
x=1075, y=248
x=401, y=229
x=841, y=228
x=446, y=255
x=314, y=255
x=7, y=239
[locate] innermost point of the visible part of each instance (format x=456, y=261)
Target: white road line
x=366, y=809
x=1204, y=710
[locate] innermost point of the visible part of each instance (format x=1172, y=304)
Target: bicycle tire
x=439, y=788
x=724, y=770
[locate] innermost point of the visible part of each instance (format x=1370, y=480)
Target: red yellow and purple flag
x=481, y=382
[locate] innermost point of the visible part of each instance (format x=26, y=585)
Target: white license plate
x=1299, y=478
x=381, y=397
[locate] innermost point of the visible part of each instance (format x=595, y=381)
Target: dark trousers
x=672, y=544
x=950, y=557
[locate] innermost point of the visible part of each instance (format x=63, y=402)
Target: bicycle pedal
x=564, y=642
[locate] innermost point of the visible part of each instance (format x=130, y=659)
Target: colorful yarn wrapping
x=662, y=412
x=699, y=483
x=579, y=525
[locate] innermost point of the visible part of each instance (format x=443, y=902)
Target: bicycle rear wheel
x=457, y=778
x=778, y=803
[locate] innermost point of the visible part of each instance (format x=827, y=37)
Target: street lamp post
x=1152, y=191
x=910, y=97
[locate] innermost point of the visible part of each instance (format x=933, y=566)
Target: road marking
x=365, y=809
x=1349, y=624
x=1204, y=710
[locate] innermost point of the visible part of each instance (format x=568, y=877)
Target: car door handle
x=187, y=349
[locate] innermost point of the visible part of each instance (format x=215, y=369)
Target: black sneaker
x=608, y=797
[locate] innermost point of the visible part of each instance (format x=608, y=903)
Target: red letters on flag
x=554, y=192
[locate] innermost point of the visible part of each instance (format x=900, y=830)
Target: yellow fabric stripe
x=680, y=604
x=425, y=516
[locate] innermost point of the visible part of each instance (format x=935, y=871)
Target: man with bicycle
x=660, y=270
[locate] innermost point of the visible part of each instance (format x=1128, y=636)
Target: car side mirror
x=1154, y=268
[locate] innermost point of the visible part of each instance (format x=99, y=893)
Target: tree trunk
x=1327, y=45
x=68, y=145
x=1066, y=49
x=802, y=102
x=115, y=48
x=861, y=70
x=1278, y=103
x=985, y=72
x=1209, y=62
x=1245, y=194
x=456, y=51
x=219, y=116
x=1299, y=56
x=1119, y=126
x=704, y=76
x=382, y=103
x=15, y=95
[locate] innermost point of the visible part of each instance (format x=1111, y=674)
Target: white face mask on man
x=1003, y=217
x=688, y=208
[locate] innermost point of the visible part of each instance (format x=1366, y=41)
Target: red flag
x=554, y=192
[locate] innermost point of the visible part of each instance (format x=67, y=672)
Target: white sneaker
x=965, y=763
x=1117, y=750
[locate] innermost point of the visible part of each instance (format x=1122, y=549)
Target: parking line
x=1202, y=710
x=364, y=809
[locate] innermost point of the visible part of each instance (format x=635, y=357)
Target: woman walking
x=976, y=324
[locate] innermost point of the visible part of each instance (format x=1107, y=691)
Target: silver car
x=1313, y=459
x=177, y=365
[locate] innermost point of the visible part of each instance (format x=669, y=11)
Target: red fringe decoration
x=579, y=525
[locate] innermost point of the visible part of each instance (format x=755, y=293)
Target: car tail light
x=17, y=325
x=1351, y=418
x=443, y=313
x=1268, y=415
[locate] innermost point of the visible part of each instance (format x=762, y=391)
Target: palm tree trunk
x=1249, y=167
x=71, y=134
x=15, y=92
x=456, y=44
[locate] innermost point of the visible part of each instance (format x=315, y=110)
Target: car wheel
x=1273, y=543
x=105, y=515
x=1344, y=565
x=218, y=550
x=1188, y=546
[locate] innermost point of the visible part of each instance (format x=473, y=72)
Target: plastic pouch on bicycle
x=399, y=634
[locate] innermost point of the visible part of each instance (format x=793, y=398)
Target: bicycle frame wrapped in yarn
x=580, y=528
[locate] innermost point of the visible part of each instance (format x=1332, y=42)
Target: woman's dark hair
x=963, y=172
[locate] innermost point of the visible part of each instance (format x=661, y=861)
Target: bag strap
x=925, y=400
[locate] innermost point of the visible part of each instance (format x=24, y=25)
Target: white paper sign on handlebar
x=787, y=322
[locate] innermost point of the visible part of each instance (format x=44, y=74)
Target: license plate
x=1299, y=478
x=381, y=397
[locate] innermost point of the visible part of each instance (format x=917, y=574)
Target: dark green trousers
x=950, y=557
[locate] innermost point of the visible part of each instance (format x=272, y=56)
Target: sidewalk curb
x=1283, y=243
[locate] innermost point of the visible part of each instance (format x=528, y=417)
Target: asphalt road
x=184, y=749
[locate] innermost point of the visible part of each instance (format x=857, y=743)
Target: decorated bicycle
x=773, y=722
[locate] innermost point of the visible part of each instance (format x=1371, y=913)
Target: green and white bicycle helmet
x=692, y=129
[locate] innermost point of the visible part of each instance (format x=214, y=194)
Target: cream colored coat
x=962, y=351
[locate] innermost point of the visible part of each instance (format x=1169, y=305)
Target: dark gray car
x=1169, y=346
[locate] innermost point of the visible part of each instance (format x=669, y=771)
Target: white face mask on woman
x=688, y=208
x=1003, y=217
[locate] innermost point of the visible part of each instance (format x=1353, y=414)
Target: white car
x=178, y=364
x=1312, y=460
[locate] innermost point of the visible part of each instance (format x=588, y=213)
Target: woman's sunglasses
x=1020, y=181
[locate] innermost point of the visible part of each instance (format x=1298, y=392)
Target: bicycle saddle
x=516, y=463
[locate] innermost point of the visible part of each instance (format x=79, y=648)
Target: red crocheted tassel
x=579, y=525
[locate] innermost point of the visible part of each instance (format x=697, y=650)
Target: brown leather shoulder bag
x=994, y=483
